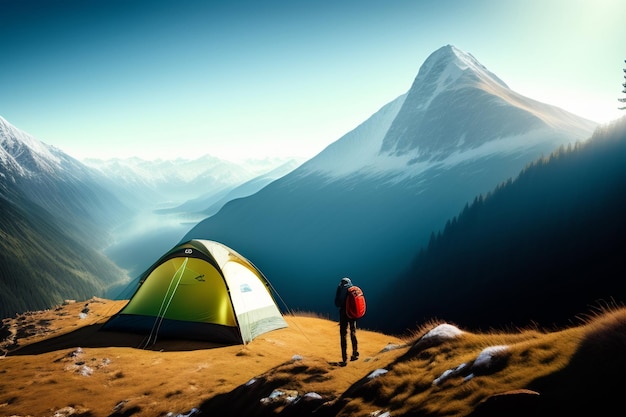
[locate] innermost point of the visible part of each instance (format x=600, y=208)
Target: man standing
x=345, y=321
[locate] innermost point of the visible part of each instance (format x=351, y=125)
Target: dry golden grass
x=63, y=365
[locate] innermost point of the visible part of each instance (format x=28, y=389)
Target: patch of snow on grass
x=446, y=331
x=484, y=358
x=377, y=373
x=449, y=373
x=312, y=396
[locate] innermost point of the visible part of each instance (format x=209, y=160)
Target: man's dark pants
x=344, y=323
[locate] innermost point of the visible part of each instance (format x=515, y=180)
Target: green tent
x=201, y=290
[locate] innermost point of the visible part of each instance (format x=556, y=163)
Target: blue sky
x=238, y=79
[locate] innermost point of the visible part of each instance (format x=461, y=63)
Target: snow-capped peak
x=456, y=110
x=22, y=150
x=449, y=67
x=457, y=62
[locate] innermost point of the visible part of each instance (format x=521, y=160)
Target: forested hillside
x=539, y=249
x=42, y=262
x=54, y=220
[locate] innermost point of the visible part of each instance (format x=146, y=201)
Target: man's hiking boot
x=354, y=356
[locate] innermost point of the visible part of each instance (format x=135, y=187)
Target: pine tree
x=623, y=100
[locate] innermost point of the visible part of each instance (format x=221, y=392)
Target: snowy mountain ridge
x=445, y=67
x=154, y=171
x=23, y=153
x=52, y=179
x=169, y=183
x=359, y=148
x=455, y=111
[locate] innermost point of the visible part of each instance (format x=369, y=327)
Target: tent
x=201, y=290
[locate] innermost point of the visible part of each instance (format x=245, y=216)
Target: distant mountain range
x=166, y=184
x=211, y=202
x=367, y=203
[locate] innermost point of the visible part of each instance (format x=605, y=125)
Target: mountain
x=367, y=203
x=52, y=179
x=169, y=183
x=55, y=217
x=215, y=201
x=541, y=248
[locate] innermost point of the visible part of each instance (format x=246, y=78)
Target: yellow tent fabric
x=201, y=290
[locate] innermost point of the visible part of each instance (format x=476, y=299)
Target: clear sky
x=236, y=79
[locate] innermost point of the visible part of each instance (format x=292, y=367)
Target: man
x=345, y=321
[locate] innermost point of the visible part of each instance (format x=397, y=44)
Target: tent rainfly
x=201, y=290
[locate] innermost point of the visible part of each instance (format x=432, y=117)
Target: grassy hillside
x=58, y=362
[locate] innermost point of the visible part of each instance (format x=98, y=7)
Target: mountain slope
x=366, y=204
x=541, y=248
x=62, y=185
x=42, y=263
x=54, y=217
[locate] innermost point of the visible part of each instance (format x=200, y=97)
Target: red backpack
x=355, y=303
